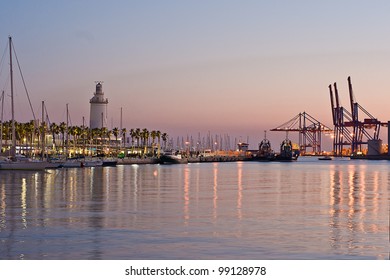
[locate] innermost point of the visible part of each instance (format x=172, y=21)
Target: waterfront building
x=243, y=147
x=98, y=111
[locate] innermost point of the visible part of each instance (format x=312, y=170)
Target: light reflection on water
x=241, y=210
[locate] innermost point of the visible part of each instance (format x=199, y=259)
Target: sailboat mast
x=121, y=129
x=121, y=120
x=67, y=125
x=43, y=130
x=13, y=148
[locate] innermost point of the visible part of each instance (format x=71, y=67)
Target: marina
x=219, y=210
x=39, y=140
x=100, y=193
x=204, y=139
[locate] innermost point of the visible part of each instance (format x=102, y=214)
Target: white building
x=98, y=113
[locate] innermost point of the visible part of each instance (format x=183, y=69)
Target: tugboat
x=265, y=152
x=286, y=152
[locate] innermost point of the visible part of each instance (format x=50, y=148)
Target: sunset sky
x=183, y=67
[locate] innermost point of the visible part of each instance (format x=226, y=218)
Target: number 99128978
x=242, y=270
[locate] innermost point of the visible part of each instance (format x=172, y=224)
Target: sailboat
x=17, y=162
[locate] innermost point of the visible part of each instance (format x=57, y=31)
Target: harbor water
x=308, y=209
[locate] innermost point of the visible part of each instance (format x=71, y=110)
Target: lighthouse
x=98, y=112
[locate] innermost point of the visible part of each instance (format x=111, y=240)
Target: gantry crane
x=310, y=131
x=348, y=129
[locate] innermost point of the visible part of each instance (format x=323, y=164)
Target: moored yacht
x=17, y=162
x=172, y=157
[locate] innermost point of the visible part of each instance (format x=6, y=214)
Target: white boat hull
x=24, y=165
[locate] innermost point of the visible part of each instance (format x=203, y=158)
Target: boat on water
x=109, y=162
x=77, y=162
x=325, y=158
x=71, y=163
x=147, y=160
x=30, y=164
x=172, y=157
x=265, y=152
x=286, y=152
x=92, y=162
x=18, y=162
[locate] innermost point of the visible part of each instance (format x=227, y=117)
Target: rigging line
x=6, y=82
x=70, y=120
x=2, y=108
x=3, y=59
x=47, y=115
x=1, y=68
x=25, y=88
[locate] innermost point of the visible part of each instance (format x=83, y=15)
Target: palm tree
x=153, y=134
x=164, y=137
x=30, y=129
x=55, y=130
x=6, y=131
x=145, y=135
x=20, y=132
x=158, y=135
x=63, y=130
x=137, y=135
x=95, y=132
x=84, y=135
x=132, y=135
x=74, y=131
x=71, y=132
x=123, y=132
x=103, y=134
x=42, y=132
x=108, y=137
x=115, y=132
x=36, y=134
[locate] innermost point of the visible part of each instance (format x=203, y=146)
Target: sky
x=184, y=67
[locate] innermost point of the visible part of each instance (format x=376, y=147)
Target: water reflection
x=186, y=194
x=356, y=193
x=216, y=210
x=215, y=191
x=3, y=206
x=239, y=190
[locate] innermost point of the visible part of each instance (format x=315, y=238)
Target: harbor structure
x=98, y=109
x=350, y=131
x=310, y=132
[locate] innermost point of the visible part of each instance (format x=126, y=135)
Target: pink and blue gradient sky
x=183, y=67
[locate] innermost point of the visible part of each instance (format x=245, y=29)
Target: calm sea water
x=307, y=209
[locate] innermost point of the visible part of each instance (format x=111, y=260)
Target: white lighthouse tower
x=98, y=113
